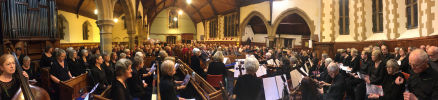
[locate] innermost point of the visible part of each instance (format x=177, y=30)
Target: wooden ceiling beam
x=197, y=10
x=78, y=7
x=212, y=7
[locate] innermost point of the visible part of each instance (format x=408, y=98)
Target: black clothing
x=196, y=66
x=388, y=56
x=338, y=57
x=31, y=73
x=59, y=72
x=377, y=74
x=249, y=87
x=355, y=64
x=167, y=88
x=434, y=65
x=119, y=92
x=405, y=67
x=424, y=85
x=8, y=89
x=75, y=67
x=217, y=68
x=109, y=71
x=346, y=61
x=98, y=76
x=135, y=84
x=365, y=65
x=336, y=90
x=391, y=90
x=396, y=56
x=84, y=64
x=46, y=61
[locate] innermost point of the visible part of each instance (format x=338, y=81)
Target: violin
x=27, y=91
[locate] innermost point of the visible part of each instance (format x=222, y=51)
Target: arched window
x=86, y=30
x=344, y=22
x=173, y=18
x=231, y=24
x=62, y=27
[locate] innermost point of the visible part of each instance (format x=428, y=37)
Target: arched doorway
x=293, y=29
x=292, y=32
x=255, y=29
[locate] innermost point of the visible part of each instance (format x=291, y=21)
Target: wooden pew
x=72, y=88
x=45, y=81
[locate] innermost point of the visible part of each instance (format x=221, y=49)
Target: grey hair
x=328, y=61
x=124, y=62
x=251, y=65
x=293, y=60
x=126, y=50
x=70, y=54
x=419, y=54
x=324, y=55
x=392, y=63
x=26, y=58
x=84, y=51
x=140, y=54
x=397, y=48
x=60, y=51
x=332, y=67
x=122, y=55
x=195, y=50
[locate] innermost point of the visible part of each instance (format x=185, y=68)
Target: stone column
x=131, y=39
x=106, y=29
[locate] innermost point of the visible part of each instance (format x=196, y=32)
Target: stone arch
x=248, y=18
x=130, y=18
x=291, y=11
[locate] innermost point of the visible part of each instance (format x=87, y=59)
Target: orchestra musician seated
x=393, y=84
x=168, y=86
x=9, y=80
x=135, y=83
x=196, y=63
x=217, y=67
x=30, y=70
x=119, y=89
x=336, y=88
x=248, y=86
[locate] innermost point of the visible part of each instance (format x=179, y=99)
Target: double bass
x=27, y=91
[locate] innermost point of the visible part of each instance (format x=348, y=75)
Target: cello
x=27, y=91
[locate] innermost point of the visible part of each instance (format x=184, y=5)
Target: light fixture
x=180, y=12
x=116, y=20
x=95, y=11
x=189, y=1
x=175, y=19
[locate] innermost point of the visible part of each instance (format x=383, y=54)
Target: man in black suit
x=386, y=55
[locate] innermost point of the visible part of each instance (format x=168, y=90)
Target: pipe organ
x=32, y=21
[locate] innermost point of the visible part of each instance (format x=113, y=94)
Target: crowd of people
x=404, y=74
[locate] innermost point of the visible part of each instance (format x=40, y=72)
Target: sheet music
x=225, y=60
x=186, y=79
x=374, y=89
x=399, y=62
x=91, y=92
x=153, y=68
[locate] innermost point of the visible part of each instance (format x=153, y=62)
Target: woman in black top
x=72, y=62
x=113, y=59
x=30, y=70
x=196, y=63
x=217, y=67
x=404, y=61
x=98, y=74
x=9, y=82
x=109, y=67
x=84, y=59
x=59, y=72
x=136, y=84
x=365, y=62
x=377, y=71
x=248, y=86
x=393, y=84
x=119, y=89
x=167, y=84
x=46, y=58
x=355, y=61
